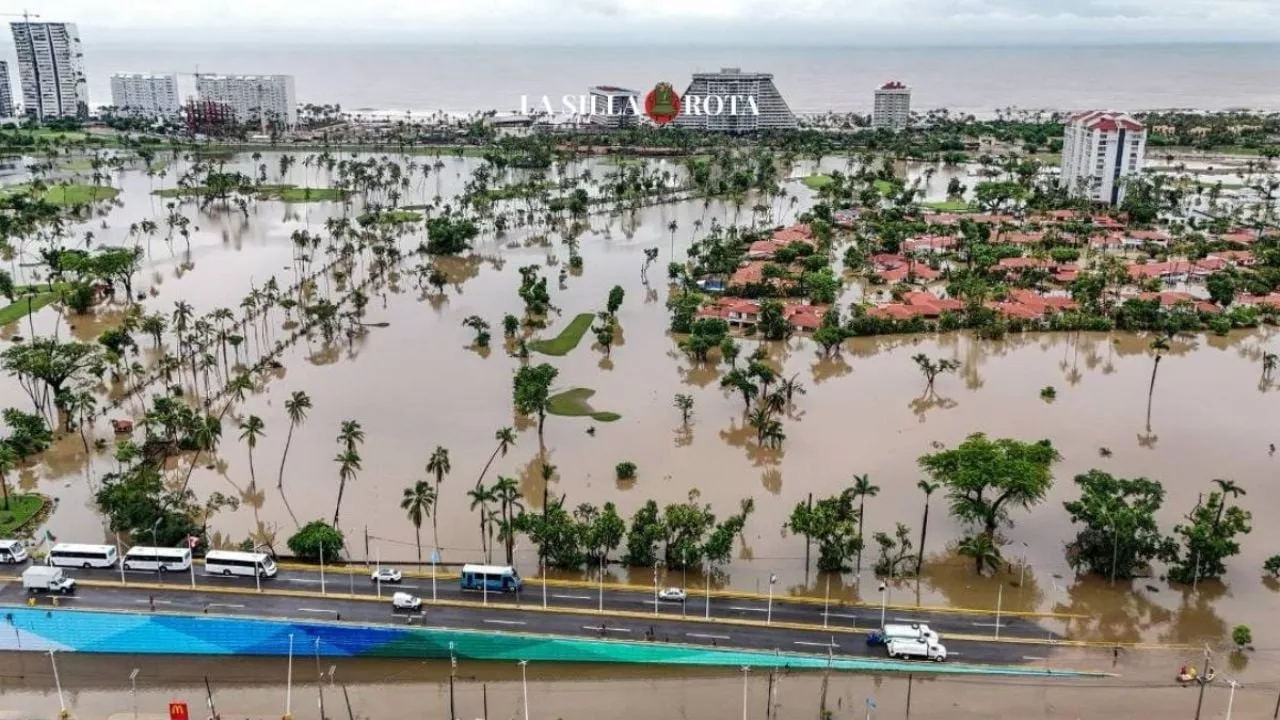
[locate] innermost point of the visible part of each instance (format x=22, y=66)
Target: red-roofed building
x=1100, y=151
x=901, y=272
x=750, y=273
x=804, y=317
x=1019, y=238
x=1233, y=258
x=935, y=244
x=895, y=311
x=1272, y=300
x=1170, y=299
x=930, y=305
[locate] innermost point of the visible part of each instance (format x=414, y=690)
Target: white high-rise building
x=255, y=99
x=614, y=107
x=893, y=106
x=1100, y=150
x=51, y=66
x=6, y=92
x=746, y=102
x=154, y=96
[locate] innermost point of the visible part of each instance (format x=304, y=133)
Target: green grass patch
x=573, y=403
x=22, y=508
x=949, y=205
x=306, y=194
x=884, y=187
x=24, y=305
x=389, y=217
x=568, y=338
x=69, y=194
x=815, y=182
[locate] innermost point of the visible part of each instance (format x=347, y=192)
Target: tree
x=1208, y=538
x=45, y=367
x=8, y=460
x=438, y=466
x=418, y=502
x=895, y=552
x=1242, y=636
x=481, y=496
x=118, y=265
x=604, y=336
x=481, y=328
x=932, y=368
x=614, y=301
x=1120, y=534
x=531, y=391
x=1158, y=346
x=982, y=549
x=861, y=489
x=350, y=436
x=832, y=523
x=251, y=428
x=684, y=403
x=1221, y=287
x=1269, y=361
x=316, y=540
x=507, y=490
x=646, y=531
x=448, y=235
x=296, y=406
x=986, y=477
x=928, y=489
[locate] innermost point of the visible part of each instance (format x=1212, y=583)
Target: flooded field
x=414, y=381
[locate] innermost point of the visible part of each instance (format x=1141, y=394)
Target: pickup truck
x=927, y=649
x=912, y=631
x=43, y=578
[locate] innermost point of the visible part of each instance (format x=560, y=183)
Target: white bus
x=170, y=559
x=83, y=556
x=228, y=562
x=12, y=551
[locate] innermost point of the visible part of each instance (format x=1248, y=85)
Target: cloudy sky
x=715, y=22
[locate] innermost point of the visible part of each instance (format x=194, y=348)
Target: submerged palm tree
x=348, y=465
x=928, y=488
x=438, y=465
x=297, y=406
x=251, y=428
x=481, y=496
x=418, y=502
x=1159, y=346
x=861, y=489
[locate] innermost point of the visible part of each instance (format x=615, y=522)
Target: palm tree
x=350, y=434
x=348, y=465
x=506, y=437
x=438, y=465
x=8, y=459
x=1159, y=346
x=1269, y=360
x=982, y=548
x=928, y=488
x=507, y=490
x=297, y=406
x=791, y=387
x=481, y=496
x=251, y=428
x=418, y=502
x=861, y=489
x=1228, y=487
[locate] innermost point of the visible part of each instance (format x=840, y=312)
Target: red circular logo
x=662, y=104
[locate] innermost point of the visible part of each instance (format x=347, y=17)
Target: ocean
x=965, y=79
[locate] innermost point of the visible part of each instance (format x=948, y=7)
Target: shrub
x=626, y=470
x=1048, y=393
x=306, y=544
x=1241, y=636
x=1272, y=565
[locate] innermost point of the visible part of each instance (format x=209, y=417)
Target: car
x=405, y=601
x=386, y=575
x=673, y=594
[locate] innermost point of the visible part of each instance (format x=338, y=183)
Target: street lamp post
x=57, y=681
x=133, y=691
x=768, y=618
x=155, y=527
x=1231, y=699
x=745, y=669
x=884, y=601
x=524, y=686
x=656, y=563
x=826, y=602
x=288, y=687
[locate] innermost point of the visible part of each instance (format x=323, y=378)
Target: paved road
x=505, y=618
x=617, y=600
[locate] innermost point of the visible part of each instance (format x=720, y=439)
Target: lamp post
x=1231, y=699
x=524, y=686
x=155, y=527
x=288, y=687
x=656, y=563
x=133, y=691
x=884, y=601
x=57, y=681
x=745, y=669
x=768, y=618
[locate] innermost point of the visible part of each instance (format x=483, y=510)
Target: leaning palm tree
x=297, y=406
x=928, y=488
x=507, y=491
x=251, y=428
x=1159, y=346
x=348, y=465
x=481, y=496
x=418, y=502
x=861, y=489
x=438, y=465
x=506, y=437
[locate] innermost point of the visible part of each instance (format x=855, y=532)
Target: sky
x=658, y=22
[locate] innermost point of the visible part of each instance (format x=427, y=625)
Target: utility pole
x=806, y=544
x=484, y=694
x=1203, y=680
x=768, y=697
x=909, y=678
x=345, y=696
x=208, y=695
x=319, y=679
x=826, y=675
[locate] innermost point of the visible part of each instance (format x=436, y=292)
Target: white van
x=170, y=559
x=83, y=556
x=13, y=551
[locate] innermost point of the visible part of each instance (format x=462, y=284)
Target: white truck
x=927, y=649
x=45, y=578
x=902, y=631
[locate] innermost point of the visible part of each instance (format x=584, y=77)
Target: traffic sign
x=178, y=711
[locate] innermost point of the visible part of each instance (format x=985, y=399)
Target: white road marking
x=315, y=610
x=815, y=644
x=908, y=620
x=847, y=617
x=978, y=624
x=303, y=580
x=1024, y=657
x=157, y=602
x=612, y=629
x=225, y=605
x=707, y=637
x=505, y=622
x=747, y=609
x=573, y=597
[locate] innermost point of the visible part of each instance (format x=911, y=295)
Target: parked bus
x=228, y=562
x=13, y=551
x=496, y=578
x=169, y=559
x=83, y=556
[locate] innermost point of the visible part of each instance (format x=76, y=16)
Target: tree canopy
x=1120, y=534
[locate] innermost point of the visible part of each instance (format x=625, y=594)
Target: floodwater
x=383, y=689
x=418, y=383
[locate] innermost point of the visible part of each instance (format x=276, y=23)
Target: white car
x=386, y=575
x=673, y=594
x=405, y=601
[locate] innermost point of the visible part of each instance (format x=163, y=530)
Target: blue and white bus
x=494, y=578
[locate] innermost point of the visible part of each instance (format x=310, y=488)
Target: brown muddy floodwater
x=417, y=383
x=397, y=690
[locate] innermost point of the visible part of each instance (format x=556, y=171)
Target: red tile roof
x=750, y=273
x=900, y=272
x=895, y=311
x=929, y=242
x=931, y=305
x=1171, y=298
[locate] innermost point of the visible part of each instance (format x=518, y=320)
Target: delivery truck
x=45, y=578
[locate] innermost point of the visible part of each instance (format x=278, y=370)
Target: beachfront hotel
x=254, y=99
x=614, y=107
x=51, y=68
x=892, y=107
x=6, y=92
x=749, y=89
x=1100, y=150
x=146, y=95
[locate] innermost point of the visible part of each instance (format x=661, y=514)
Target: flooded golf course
x=415, y=381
